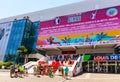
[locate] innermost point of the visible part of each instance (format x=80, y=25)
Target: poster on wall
x=92, y=26
x=5, y=29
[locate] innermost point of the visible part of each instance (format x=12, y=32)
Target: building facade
x=93, y=34
x=90, y=28
x=17, y=33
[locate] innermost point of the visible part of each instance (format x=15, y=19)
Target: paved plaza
x=86, y=77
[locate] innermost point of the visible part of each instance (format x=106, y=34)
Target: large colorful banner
x=5, y=29
x=92, y=26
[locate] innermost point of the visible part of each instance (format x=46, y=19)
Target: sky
x=17, y=7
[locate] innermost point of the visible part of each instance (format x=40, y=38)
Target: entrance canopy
x=85, y=45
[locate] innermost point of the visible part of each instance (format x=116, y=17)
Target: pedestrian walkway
x=96, y=77
x=86, y=77
x=5, y=77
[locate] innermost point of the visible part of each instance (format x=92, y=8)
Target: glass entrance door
x=100, y=67
x=91, y=66
x=85, y=66
x=118, y=67
x=111, y=66
x=96, y=67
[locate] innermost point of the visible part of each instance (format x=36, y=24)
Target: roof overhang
x=81, y=46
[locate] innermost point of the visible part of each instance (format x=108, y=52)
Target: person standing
x=21, y=68
x=12, y=71
x=51, y=72
x=39, y=70
x=26, y=72
x=66, y=72
x=35, y=70
x=62, y=71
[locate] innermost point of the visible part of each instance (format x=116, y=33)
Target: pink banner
x=87, y=22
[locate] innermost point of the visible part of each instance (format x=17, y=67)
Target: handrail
x=29, y=64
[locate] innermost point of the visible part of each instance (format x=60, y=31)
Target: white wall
x=81, y=51
x=53, y=52
x=99, y=50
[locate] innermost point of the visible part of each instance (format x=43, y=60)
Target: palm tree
x=66, y=39
x=22, y=51
x=101, y=36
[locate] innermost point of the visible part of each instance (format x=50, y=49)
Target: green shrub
x=1, y=64
x=6, y=64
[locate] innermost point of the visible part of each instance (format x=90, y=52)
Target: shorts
x=66, y=74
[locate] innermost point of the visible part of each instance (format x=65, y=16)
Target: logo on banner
x=93, y=15
x=112, y=12
x=99, y=58
x=57, y=20
x=109, y=57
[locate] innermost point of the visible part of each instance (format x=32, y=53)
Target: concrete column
x=93, y=66
x=106, y=66
x=115, y=66
x=88, y=66
x=98, y=67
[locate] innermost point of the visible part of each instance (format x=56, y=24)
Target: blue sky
x=16, y=7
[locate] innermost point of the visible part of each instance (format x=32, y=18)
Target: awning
x=112, y=44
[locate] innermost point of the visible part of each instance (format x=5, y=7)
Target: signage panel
x=102, y=57
x=92, y=26
x=5, y=30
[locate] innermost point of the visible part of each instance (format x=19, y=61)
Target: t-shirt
x=66, y=70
